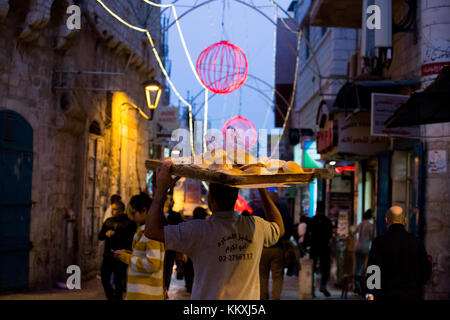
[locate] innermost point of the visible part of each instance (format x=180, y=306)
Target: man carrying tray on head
x=225, y=249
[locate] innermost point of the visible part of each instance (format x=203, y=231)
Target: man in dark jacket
x=319, y=233
x=272, y=258
x=118, y=232
x=402, y=259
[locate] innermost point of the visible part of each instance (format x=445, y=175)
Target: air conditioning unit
x=383, y=36
x=372, y=39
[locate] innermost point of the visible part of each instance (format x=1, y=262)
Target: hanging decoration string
x=174, y=11
x=291, y=104
x=274, y=71
x=147, y=33
x=275, y=5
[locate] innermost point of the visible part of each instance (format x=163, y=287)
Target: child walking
x=146, y=261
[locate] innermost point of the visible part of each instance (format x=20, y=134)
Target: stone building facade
x=78, y=91
x=401, y=173
x=435, y=48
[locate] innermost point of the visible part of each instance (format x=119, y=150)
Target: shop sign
x=437, y=161
x=167, y=117
x=325, y=137
x=436, y=55
x=355, y=138
x=433, y=68
x=311, y=159
x=343, y=225
x=383, y=107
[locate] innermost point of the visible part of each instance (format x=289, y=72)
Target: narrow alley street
x=92, y=290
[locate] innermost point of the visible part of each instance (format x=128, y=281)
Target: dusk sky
x=243, y=27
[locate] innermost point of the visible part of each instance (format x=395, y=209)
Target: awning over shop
x=430, y=106
x=355, y=96
x=336, y=13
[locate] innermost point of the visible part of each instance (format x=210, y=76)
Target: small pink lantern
x=222, y=67
x=243, y=128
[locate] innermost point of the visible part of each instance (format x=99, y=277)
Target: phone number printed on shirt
x=236, y=257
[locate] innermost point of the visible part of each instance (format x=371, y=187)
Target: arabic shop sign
x=355, y=137
x=383, y=107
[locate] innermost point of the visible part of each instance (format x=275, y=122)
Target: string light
x=191, y=64
x=205, y=121
x=147, y=33
x=275, y=5
x=291, y=104
x=294, y=88
x=155, y=52
x=274, y=63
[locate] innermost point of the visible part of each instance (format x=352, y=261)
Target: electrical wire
x=163, y=70
x=288, y=113
x=274, y=67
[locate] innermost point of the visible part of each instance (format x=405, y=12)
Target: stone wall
x=322, y=74
x=62, y=107
x=435, y=48
x=437, y=213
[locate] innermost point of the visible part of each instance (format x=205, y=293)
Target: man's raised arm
x=271, y=211
x=154, y=224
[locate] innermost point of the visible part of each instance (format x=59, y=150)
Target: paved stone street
x=93, y=290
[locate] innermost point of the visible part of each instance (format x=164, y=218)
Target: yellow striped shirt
x=145, y=268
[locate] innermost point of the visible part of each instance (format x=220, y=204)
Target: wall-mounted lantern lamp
x=153, y=93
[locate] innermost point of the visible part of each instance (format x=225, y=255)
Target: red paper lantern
x=244, y=129
x=222, y=67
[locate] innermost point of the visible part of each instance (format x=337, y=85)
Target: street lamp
x=152, y=93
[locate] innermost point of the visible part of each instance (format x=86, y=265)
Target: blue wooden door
x=16, y=166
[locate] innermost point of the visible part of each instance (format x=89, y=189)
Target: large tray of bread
x=242, y=170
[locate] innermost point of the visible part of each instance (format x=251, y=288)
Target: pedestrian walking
x=301, y=231
x=365, y=232
x=145, y=262
x=117, y=232
x=320, y=233
x=225, y=248
x=403, y=261
x=272, y=258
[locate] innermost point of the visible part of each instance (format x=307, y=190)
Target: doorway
x=16, y=168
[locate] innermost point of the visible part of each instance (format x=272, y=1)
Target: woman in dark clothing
x=117, y=232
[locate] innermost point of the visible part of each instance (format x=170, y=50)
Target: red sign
x=345, y=168
x=433, y=68
x=325, y=138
